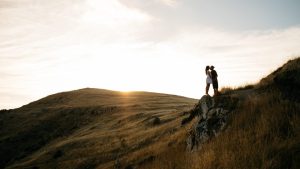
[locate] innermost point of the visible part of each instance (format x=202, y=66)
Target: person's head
x=206, y=69
x=212, y=67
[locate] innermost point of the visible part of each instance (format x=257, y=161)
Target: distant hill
x=70, y=128
x=100, y=97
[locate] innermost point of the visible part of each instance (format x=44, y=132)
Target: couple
x=212, y=78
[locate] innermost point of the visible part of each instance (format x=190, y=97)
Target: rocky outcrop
x=155, y=121
x=211, y=114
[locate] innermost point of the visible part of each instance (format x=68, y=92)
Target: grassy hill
x=93, y=128
x=88, y=127
x=262, y=132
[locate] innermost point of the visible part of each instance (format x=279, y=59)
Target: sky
x=147, y=45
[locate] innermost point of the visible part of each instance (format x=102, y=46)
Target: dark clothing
x=215, y=84
x=214, y=77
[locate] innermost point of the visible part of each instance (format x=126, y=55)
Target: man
x=214, y=77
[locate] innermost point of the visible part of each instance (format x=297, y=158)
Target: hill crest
x=97, y=97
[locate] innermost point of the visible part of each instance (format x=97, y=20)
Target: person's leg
x=207, y=88
x=215, y=92
x=216, y=86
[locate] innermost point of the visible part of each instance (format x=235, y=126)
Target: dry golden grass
x=262, y=133
x=93, y=129
x=230, y=90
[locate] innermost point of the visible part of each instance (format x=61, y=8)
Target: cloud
x=230, y=15
x=113, y=13
x=171, y=3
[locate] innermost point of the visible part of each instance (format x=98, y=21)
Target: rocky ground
x=211, y=114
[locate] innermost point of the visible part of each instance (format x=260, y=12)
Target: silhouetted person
x=214, y=77
x=208, y=79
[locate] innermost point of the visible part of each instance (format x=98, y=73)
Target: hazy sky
x=49, y=46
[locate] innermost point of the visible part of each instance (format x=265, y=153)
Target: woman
x=208, y=78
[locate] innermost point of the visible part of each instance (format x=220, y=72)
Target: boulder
x=206, y=103
x=200, y=109
x=211, y=114
x=155, y=121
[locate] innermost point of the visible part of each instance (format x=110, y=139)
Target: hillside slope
x=87, y=127
x=261, y=131
x=286, y=79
